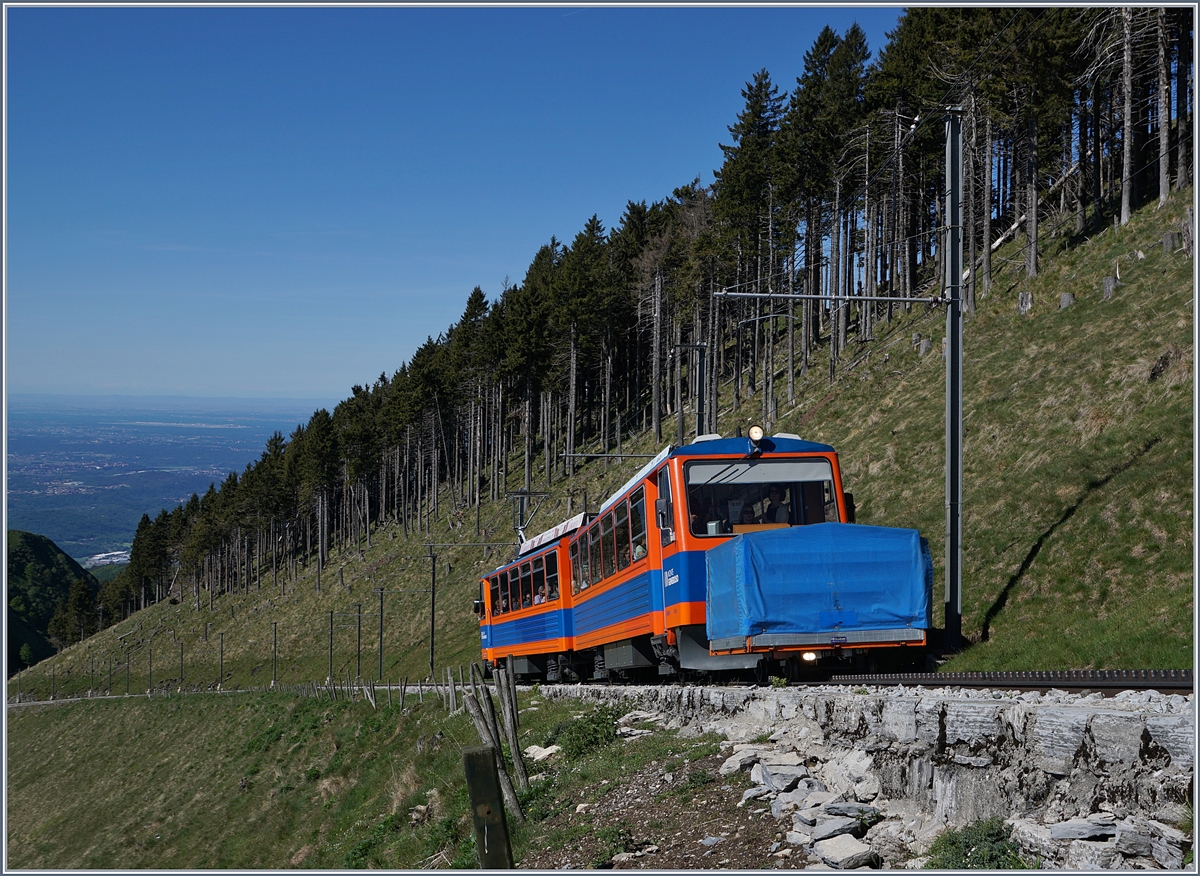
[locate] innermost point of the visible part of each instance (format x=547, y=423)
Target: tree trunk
x=1164, y=111
x=655, y=360
x=1127, y=119
x=1183, y=115
x=1031, y=197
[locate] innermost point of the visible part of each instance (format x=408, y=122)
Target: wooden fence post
x=491, y=829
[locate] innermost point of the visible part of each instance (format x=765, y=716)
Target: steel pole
x=381, y=634
x=954, y=366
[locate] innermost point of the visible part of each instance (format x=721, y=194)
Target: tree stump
x=1187, y=232
x=923, y=346
x=1065, y=300
x=1172, y=241
x=1024, y=302
x=1110, y=286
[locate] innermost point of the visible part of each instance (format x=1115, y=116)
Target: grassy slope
x=271, y=781
x=1078, y=530
x=1077, y=463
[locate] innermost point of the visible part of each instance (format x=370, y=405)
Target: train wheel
x=763, y=670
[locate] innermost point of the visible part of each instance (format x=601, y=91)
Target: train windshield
x=730, y=496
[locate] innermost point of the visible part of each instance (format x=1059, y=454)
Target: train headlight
x=809, y=656
x=756, y=434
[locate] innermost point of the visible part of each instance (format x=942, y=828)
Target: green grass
x=265, y=780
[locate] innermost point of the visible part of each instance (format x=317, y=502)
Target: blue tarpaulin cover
x=820, y=578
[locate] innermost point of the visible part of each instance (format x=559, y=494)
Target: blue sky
x=267, y=202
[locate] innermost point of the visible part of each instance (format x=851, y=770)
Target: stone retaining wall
x=1085, y=779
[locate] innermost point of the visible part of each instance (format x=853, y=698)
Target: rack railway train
x=730, y=556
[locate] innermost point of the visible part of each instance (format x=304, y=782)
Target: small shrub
x=538, y=802
x=613, y=840
x=778, y=681
x=983, y=845
x=698, y=779
x=590, y=733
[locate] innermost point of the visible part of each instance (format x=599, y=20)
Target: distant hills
x=40, y=575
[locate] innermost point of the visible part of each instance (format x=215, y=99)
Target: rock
x=1091, y=856
x=837, y=826
x=971, y=722
x=1133, y=840
x=537, y=754
x=784, y=759
x=868, y=814
x=1176, y=735
x=632, y=732
x=741, y=760
x=1167, y=845
x=778, y=778
x=1057, y=736
x=972, y=761
x=582, y=807
x=754, y=793
x=807, y=817
x=1034, y=839
x=1117, y=737
x=635, y=716
x=844, y=852
x=1082, y=829
x=867, y=789
x=798, y=838
x=820, y=798
x=889, y=839
x=712, y=840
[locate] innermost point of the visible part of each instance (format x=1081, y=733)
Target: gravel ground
x=685, y=820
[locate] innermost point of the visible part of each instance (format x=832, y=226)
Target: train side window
x=551, y=577
x=526, y=586
x=622, y=535
x=514, y=588
x=576, y=570
x=606, y=537
x=494, y=583
x=594, y=544
x=637, y=522
x=539, y=581
x=662, y=508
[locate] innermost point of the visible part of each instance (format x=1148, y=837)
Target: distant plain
x=83, y=470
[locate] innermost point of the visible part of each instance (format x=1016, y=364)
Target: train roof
x=552, y=534
x=717, y=446
x=782, y=443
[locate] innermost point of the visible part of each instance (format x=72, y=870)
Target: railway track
x=1104, y=681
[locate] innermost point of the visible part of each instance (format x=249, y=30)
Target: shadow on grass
x=1092, y=487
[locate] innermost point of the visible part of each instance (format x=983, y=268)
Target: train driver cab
x=728, y=497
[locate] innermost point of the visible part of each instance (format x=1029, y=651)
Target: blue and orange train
x=727, y=554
